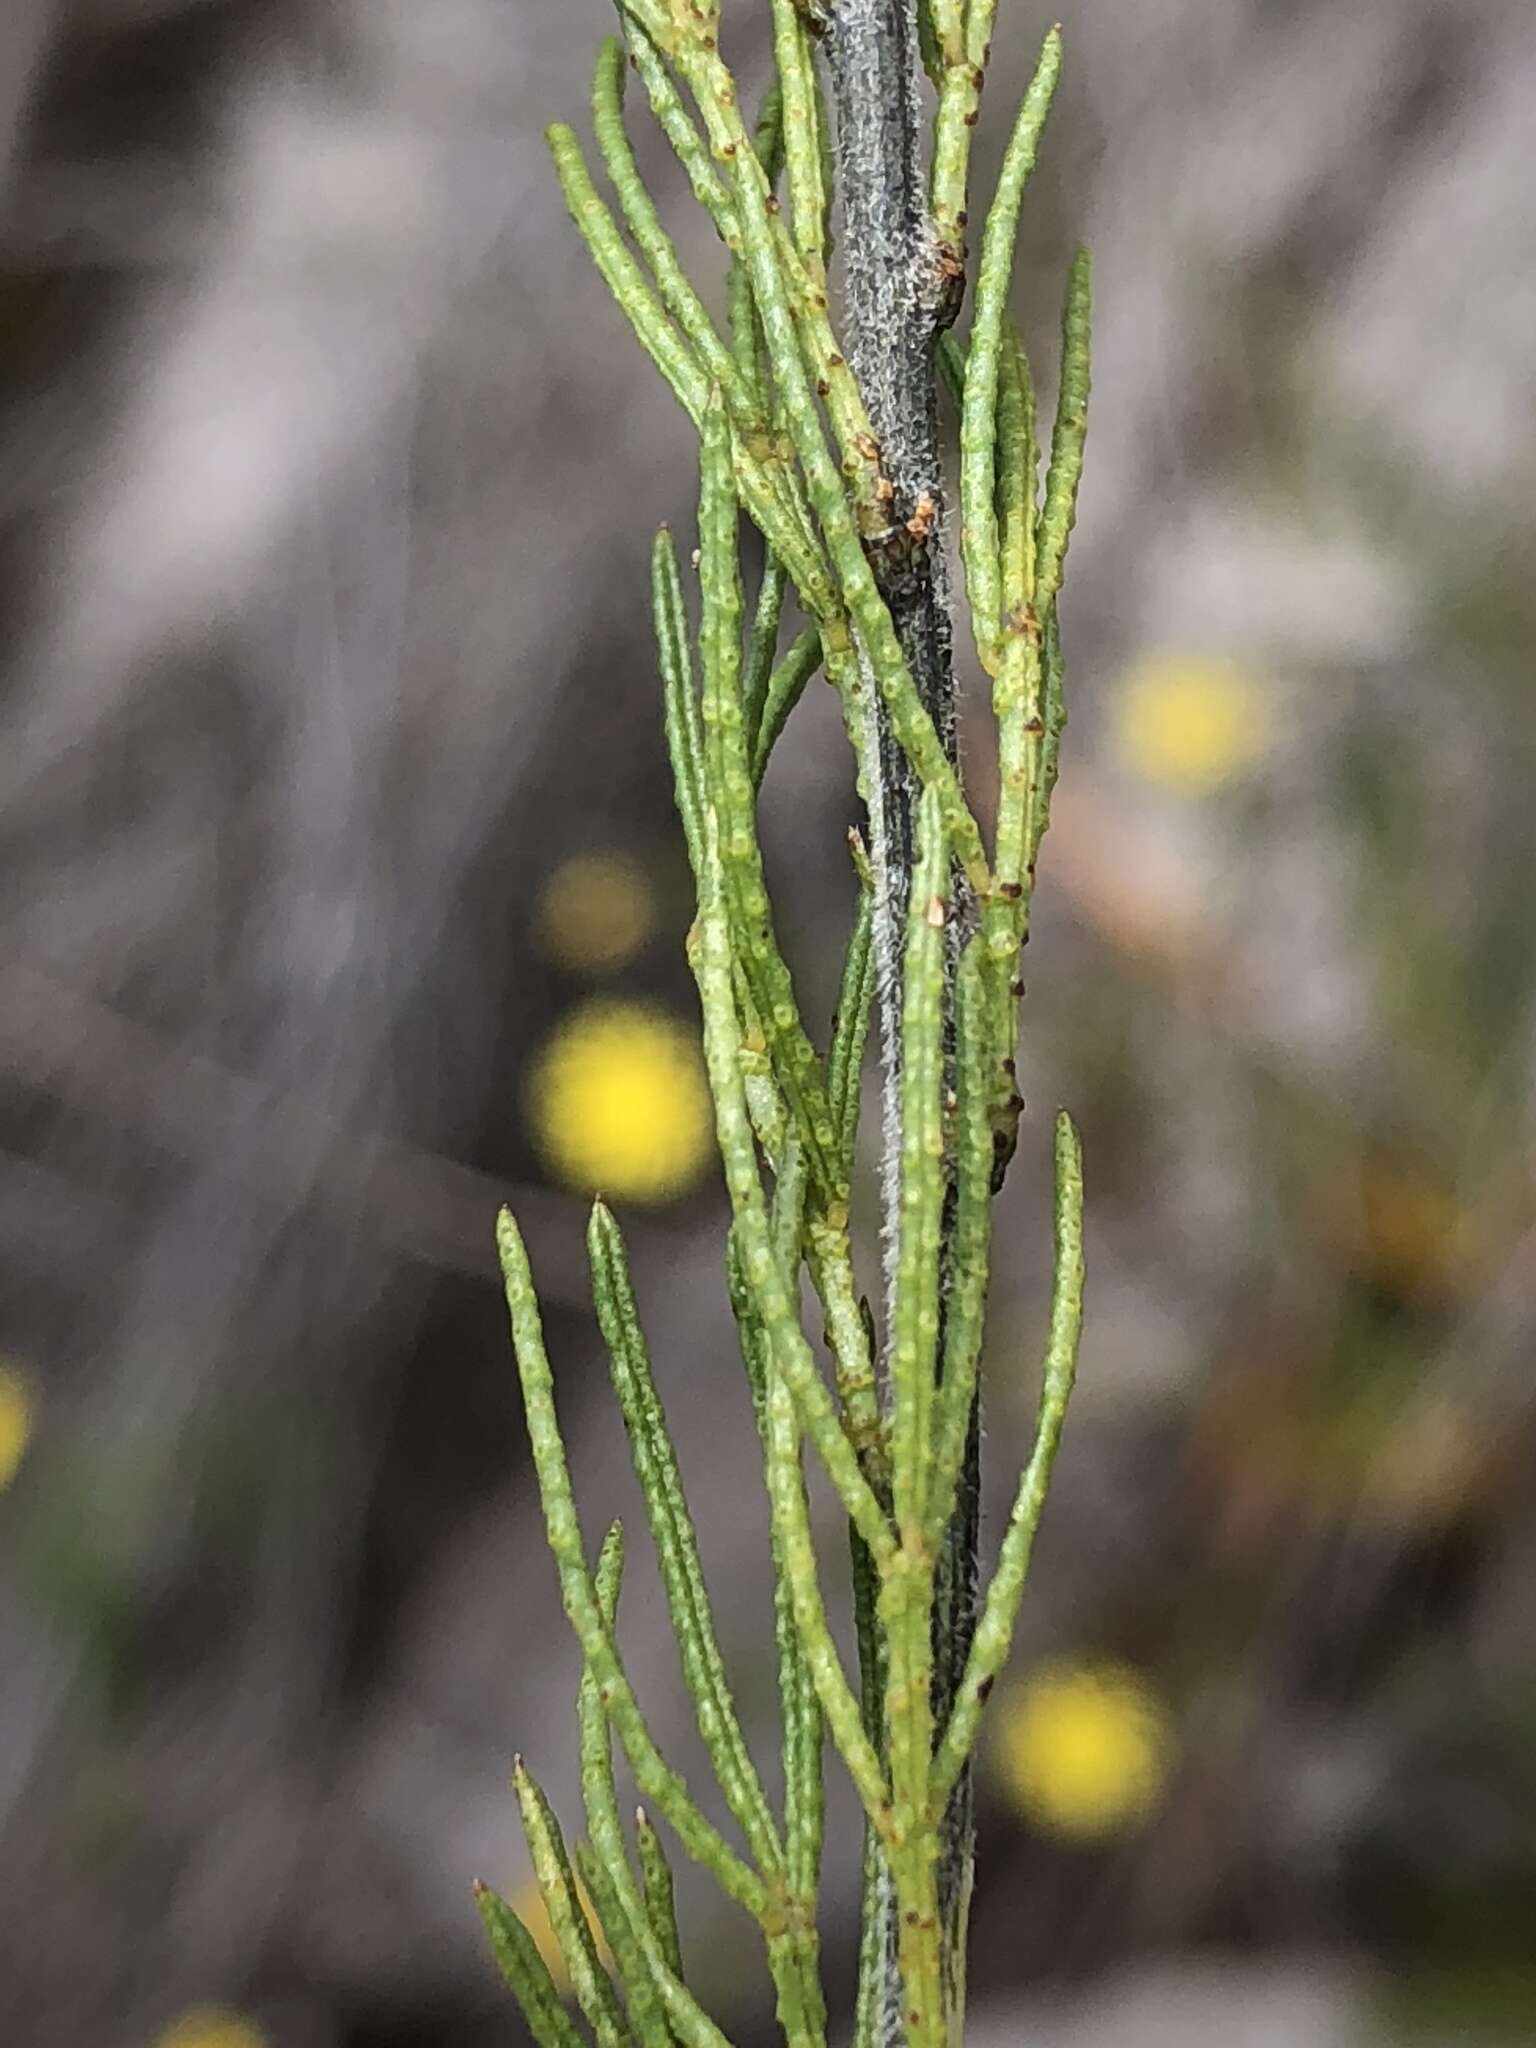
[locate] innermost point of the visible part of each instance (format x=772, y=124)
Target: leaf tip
x=509, y=1245
x=1069, y=1147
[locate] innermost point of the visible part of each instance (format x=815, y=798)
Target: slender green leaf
x=994, y=1631
x=517, y=1954
x=567, y=1916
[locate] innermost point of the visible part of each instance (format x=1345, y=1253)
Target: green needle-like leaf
x=517, y=1954
x=796, y=1396
x=762, y=646
x=651, y=238
x=771, y=494
x=916, y=1313
x=951, y=362
x=1055, y=726
x=647, y=2014
x=658, y=1782
x=802, y=135
x=1017, y=683
x=1017, y=462
x=733, y=369
x=677, y=1549
x=978, y=422
x=653, y=1931
x=965, y=1304
x=657, y=1886
x=850, y=1026
x=804, y=1794
x=770, y=261
x=677, y=124
x=874, y=1878
x=710, y=954
x=994, y=1631
x=682, y=719
x=1018, y=705
x=906, y=1594
x=1071, y=429
x=957, y=65
x=623, y=276
x=567, y=1917
x=796, y=1065
x=783, y=692
x=603, y=1864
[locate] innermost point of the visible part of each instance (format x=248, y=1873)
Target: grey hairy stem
x=898, y=296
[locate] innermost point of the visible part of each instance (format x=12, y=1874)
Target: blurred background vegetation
x=342, y=900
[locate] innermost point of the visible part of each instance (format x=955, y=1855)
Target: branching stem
x=831, y=447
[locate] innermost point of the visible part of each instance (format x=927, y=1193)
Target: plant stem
x=901, y=292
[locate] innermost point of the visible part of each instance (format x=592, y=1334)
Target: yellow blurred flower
x=595, y=912
x=1084, y=1749
x=212, y=2026
x=528, y=1904
x=1190, y=721
x=16, y=1418
x=619, y=1102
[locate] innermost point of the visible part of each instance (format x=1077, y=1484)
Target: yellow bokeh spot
x=212, y=2027
x=528, y=1904
x=595, y=912
x=1084, y=1749
x=619, y=1103
x=16, y=1417
x=1190, y=722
